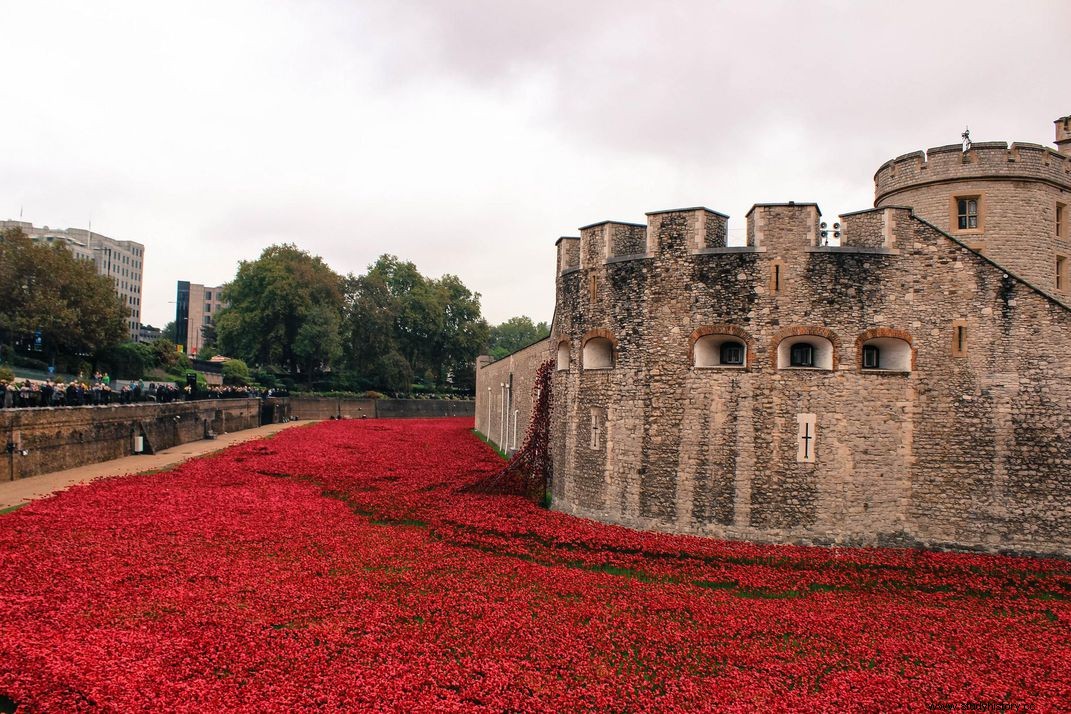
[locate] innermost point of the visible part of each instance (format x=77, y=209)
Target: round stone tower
x=1010, y=203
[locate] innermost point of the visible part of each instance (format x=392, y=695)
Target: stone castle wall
x=1017, y=187
x=968, y=445
x=494, y=402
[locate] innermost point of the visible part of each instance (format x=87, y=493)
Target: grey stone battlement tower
x=1009, y=203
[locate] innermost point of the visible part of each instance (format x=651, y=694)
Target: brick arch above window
x=598, y=349
x=884, y=333
x=563, y=356
x=802, y=331
x=722, y=329
x=599, y=332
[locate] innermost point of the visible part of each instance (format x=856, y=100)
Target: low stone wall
x=334, y=408
x=423, y=408
x=60, y=438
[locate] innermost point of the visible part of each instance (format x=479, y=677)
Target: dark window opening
x=802, y=355
x=967, y=212
x=871, y=357
x=732, y=353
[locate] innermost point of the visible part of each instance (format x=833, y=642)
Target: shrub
x=236, y=373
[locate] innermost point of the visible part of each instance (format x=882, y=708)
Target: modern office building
x=195, y=308
x=120, y=260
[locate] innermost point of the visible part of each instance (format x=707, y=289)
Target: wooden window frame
x=876, y=352
x=810, y=354
x=979, y=217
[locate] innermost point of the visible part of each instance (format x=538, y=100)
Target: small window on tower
x=871, y=357
x=732, y=353
x=967, y=213
x=802, y=355
x=959, y=338
x=1061, y=220
x=1061, y=273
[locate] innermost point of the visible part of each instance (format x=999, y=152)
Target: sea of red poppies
x=339, y=567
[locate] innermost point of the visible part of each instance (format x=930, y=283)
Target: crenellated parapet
x=876, y=228
x=568, y=254
x=984, y=160
x=674, y=231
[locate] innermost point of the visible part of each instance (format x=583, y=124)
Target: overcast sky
x=468, y=135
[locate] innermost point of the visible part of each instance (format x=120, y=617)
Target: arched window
x=598, y=353
x=563, y=356
x=719, y=351
x=805, y=352
x=886, y=354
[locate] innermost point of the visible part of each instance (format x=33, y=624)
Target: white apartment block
x=120, y=260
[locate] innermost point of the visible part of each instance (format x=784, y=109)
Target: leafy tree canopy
x=271, y=300
x=515, y=333
x=400, y=323
x=45, y=288
x=235, y=372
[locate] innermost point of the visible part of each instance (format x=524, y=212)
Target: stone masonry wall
x=517, y=370
x=1017, y=188
x=66, y=437
x=967, y=447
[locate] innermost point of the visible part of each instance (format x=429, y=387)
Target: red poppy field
x=339, y=567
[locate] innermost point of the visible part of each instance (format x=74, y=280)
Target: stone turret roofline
x=923, y=157
x=558, y=242
x=788, y=204
x=687, y=210
x=616, y=223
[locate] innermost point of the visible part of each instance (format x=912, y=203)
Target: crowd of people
x=99, y=390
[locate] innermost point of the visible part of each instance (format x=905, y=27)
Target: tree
x=167, y=357
x=399, y=322
x=513, y=334
x=318, y=343
x=169, y=332
x=235, y=372
x=270, y=300
x=45, y=289
x=129, y=360
x=463, y=334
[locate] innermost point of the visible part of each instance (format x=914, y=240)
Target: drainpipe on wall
x=502, y=415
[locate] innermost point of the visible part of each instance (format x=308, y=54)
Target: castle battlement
x=907, y=384
x=679, y=229
x=984, y=161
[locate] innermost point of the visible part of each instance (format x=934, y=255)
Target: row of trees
x=289, y=314
x=384, y=330
x=52, y=303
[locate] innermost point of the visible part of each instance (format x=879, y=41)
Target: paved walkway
x=14, y=493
